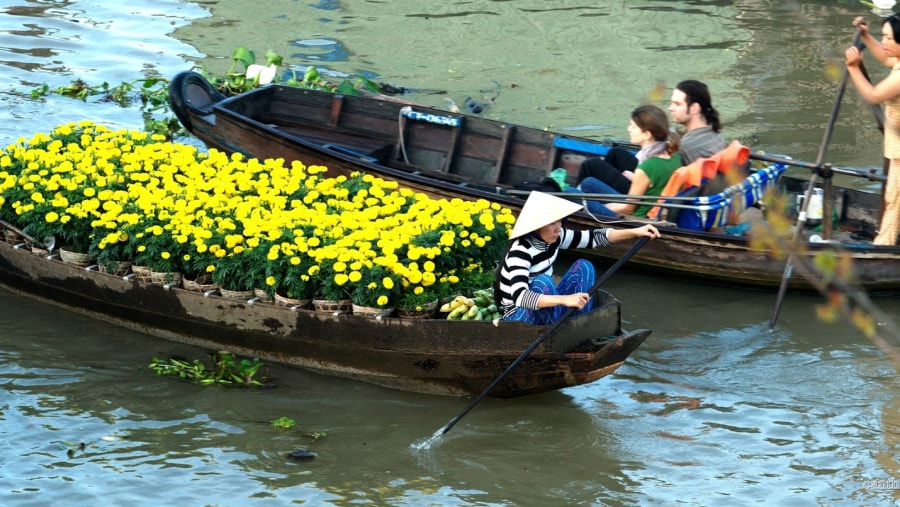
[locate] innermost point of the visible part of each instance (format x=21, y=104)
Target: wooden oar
x=18, y=231
x=609, y=272
x=801, y=218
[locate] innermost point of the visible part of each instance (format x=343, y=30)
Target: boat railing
x=702, y=212
x=871, y=174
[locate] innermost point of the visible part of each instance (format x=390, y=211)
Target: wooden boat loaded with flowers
x=281, y=236
x=456, y=155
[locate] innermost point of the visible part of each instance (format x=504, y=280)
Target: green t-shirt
x=659, y=170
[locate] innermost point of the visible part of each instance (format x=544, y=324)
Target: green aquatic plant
x=289, y=424
x=151, y=95
x=284, y=422
x=226, y=369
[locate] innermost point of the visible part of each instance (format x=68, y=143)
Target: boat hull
x=435, y=356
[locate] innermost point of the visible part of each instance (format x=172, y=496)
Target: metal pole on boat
x=801, y=217
x=603, y=278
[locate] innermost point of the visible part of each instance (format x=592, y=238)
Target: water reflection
x=325, y=50
x=698, y=413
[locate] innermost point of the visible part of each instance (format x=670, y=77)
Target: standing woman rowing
x=888, y=92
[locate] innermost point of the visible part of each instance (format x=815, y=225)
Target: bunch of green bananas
x=479, y=307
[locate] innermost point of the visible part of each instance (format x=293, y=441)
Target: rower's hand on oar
x=852, y=56
x=863, y=25
x=644, y=231
x=647, y=231
x=577, y=300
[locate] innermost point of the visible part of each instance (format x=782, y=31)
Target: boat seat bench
x=371, y=150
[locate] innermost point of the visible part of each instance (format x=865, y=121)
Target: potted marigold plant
x=418, y=302
x=241, y=269
x=422, y=290
x=113, y=252
x=162, y=254
x=294, y=285
x=374, y=290
x=334, y=293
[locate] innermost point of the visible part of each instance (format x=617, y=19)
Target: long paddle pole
x=15, y=229
x=603, y=278
x=801, y=218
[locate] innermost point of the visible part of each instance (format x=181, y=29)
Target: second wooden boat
x=461, y=156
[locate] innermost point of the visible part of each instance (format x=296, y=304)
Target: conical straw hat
x=542, y=209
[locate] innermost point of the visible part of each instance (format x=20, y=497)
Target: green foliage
x=284, y=422
x=242, y=269
x=226, y=369
x=151, y=94
x=376, y=287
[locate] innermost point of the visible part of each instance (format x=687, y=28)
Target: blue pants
x=580, y=277
x=591, y=185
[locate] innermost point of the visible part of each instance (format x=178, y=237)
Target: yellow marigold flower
x=355, y=276
x=341, y=279
x=382, y=300
x=387, y=282
x=270, y=281
x=51, y=217
x=165, y=255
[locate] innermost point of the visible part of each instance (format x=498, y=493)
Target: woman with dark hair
x=524, y=287
x=691, y=106
x=888, y=92
x=657, y=160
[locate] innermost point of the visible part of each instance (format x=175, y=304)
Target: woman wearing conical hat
x=525, y=288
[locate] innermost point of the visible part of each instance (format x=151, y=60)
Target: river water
x=714, y=409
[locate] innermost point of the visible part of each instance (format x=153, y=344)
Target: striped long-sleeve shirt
x=529, y=256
